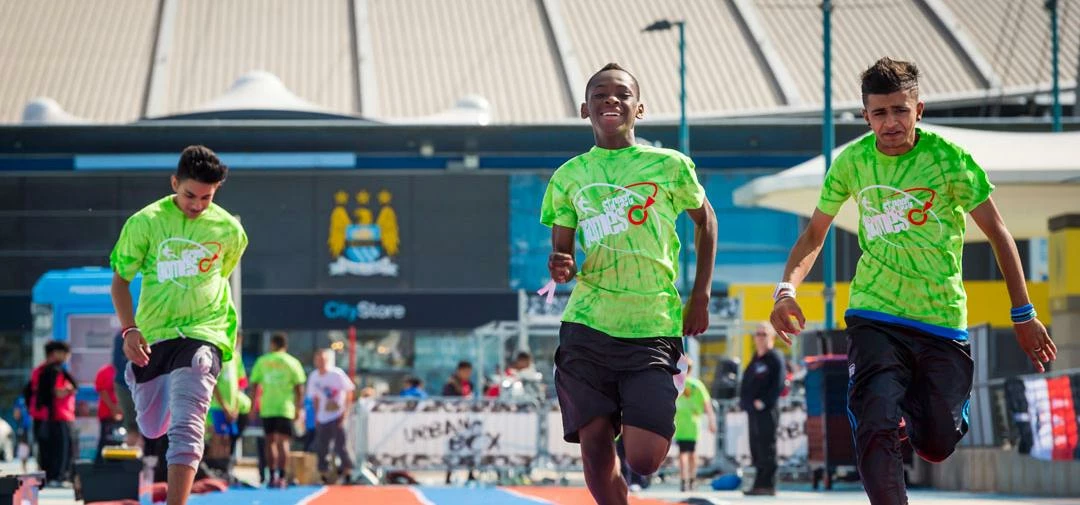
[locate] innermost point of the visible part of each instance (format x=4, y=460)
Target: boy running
x=908, y=352
x=620, y=339
x=186, y=247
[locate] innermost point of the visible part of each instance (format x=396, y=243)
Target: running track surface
x=405, y=495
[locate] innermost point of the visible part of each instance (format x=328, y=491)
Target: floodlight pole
x=1052, y=6
x=828, y=141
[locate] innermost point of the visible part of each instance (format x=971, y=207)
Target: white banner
x=791, y=443
x=439, y=432
x=567, y=455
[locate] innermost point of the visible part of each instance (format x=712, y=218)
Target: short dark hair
x=888, y=76
x=415, y=382
x=201, y=164
x=463, y=364
x=56, y=345
x=279, y=340
x=523, y=355
x=605, y=68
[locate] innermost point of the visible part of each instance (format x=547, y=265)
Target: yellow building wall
x=988, y=302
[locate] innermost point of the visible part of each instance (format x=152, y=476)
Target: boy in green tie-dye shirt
x=909, y=361
x=620, y=340
x=185, y=247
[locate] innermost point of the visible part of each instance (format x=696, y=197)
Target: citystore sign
x=364, y=309
x=391, y=311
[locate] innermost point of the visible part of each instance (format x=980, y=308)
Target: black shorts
x=628, y=380
x=899, y=372
x=278, y=425
x=686, y=446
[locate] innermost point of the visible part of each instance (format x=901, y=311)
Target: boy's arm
x=1031, y=335
x=696, y=319
x=136, y=348
x=801, y=259
x=561, y=260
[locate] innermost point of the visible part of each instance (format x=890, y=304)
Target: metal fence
x=512, y=438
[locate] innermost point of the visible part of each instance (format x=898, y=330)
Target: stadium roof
x=413, y=60
x=1029, y=189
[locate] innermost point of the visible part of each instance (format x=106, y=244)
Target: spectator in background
x=307, y=440
x=762, y=381
x=332, y=393
x=368, y=396
x=415, y=389
x=460, y=383
x=132, y=438
x=109, y=414
x=279, y=381
x=52, y=406
x=22, y=427
x=227, y=416
x=689, y=406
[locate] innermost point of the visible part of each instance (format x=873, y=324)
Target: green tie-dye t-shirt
x=912, y=219
x=278, y=374
x=185, y=265
x=623, y=204
x=689, y=407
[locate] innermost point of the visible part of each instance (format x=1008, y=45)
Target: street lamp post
x=828, y=141
x=684, y=128
x=1052, y=6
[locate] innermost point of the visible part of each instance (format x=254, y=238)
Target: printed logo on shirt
x=607, y=210
x=887, y=211
x=180, y=258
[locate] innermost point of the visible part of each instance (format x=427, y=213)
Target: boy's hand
x=562, y=267
x=136, y=349
x=1036, y=343
x=696, y=315
x=782, y=313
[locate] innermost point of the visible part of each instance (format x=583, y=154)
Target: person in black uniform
x=758, y=395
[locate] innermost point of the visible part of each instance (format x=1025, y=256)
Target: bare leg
x=691, y=465
x=601, y=464
x=282, y=444
x=645, y=450
x=181, y=478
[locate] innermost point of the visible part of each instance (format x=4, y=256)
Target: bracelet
x=1022, y=314
x=784, y=290
x=129, y=329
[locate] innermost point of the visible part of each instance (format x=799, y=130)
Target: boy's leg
x=600, y=463
x=190, y=390
x=648, y=410
x=150, y=396
x=937, y=401
x=879, y=367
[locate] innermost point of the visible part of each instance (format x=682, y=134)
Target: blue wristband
x=1022, y=309
x=1023, y=314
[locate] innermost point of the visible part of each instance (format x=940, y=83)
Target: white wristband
x=784, y=289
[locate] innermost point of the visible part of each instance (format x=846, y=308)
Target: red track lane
x=349, y=495
x=573, y=496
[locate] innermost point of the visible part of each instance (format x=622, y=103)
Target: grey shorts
x=172, y=395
